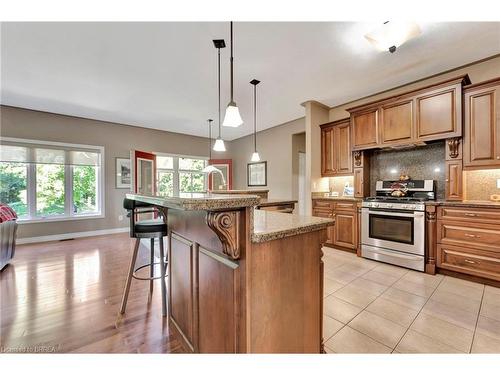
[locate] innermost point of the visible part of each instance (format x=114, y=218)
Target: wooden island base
x=246, y=281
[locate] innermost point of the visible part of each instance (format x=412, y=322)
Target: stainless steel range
x=393, y=227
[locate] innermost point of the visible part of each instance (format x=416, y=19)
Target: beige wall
x=274, y=146
x=117, y=140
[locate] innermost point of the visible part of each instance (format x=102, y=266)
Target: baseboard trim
x=66, y=236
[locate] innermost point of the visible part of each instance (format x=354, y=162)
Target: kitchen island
x=243, y=280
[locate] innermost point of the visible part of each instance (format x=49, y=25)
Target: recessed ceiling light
x=390, y=35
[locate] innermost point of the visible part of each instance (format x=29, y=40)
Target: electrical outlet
x=498, y=183
x=120, y=217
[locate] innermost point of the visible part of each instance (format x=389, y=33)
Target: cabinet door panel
x=329, y=230
x=342, y=150
x=327, y=152
x=481, y=138
x=453, y=187
x=397, y=122
x=365, y=129
x=437, y=115
x=345, y=230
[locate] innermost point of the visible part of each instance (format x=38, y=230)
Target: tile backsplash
x=481, y=184
x=420, y=163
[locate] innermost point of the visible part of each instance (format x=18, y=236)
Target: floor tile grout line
x=418, y=314
x=477, y=319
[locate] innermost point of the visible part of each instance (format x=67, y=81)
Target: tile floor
x=372, y=307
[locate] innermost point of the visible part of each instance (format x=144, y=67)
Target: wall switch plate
x=498, y=183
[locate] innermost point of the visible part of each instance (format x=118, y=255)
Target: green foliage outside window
x=166, y=184
x=84, y=189
x=13, y=178
x=49, y=189
x=191, y=182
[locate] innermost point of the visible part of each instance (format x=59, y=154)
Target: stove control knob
x=375, y=205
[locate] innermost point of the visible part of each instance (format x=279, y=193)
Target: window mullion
x=176, y=176
x=68, y=188
x=31, y=185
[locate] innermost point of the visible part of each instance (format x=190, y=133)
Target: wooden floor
x=64, y=297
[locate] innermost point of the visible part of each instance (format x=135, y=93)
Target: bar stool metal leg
x=162, y=280
x=129, y=276
x=152, y=269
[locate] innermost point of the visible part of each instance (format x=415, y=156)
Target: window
x=51, y=181
x=180, y=175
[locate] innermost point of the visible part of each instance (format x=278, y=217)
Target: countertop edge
x=276, y=235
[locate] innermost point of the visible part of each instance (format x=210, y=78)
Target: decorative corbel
x=226, y=226
x=453, y=147
x=357, y=158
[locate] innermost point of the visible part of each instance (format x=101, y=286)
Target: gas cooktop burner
x=395, y=199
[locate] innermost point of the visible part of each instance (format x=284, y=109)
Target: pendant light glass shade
x=219, y=145
x=255, y=156
x=232, y=117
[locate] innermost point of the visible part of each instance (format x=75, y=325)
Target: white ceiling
x=163, y=75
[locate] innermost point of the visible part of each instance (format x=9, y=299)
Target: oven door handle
x=397, y=214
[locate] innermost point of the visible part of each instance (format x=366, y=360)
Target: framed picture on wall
x=257, y=174
x=123, y=176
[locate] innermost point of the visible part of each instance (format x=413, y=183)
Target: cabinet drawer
x=322, y=213
x=325, y=204
x=473, y=262
x=473, y=235
x=343, y=206
x=482, y=215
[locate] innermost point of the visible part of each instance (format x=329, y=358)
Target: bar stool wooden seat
x=152, y=228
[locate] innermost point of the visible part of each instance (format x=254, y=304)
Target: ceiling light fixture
x=255, y=155
x=219, y=143
x=391, y=35
x=232, y=117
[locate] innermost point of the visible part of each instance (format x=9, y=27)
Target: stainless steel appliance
x=393, y=228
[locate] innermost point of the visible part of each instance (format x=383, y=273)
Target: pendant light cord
x=218, y=80
x=209, y=139
x=255, y=118
x=231, y=60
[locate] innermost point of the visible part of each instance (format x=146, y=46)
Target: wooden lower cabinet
x=468, y=241
x=344, y=234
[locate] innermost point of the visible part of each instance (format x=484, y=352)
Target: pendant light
x=255, y=155
x=209, y=168
x=232, y=117
x=219, y=142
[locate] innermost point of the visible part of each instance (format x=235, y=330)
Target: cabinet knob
x=498, y=157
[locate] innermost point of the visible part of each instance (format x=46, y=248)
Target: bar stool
x=154, y=228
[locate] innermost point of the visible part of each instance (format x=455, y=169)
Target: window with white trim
x=178, y=174
x=51, y=180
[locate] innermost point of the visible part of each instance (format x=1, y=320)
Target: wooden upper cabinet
x=365, y=129
x=336, y=155
x=427, y=114
x=397, y=122
x=327, y=157
x=342, y=138
x=482, y=125
x=439, y=114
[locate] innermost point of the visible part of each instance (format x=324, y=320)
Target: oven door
x=394, y=230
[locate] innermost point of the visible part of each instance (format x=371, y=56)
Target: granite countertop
x=466, y=203
x=271, y=225
x=241, y=191
x=199, y=201
x=275, y=202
